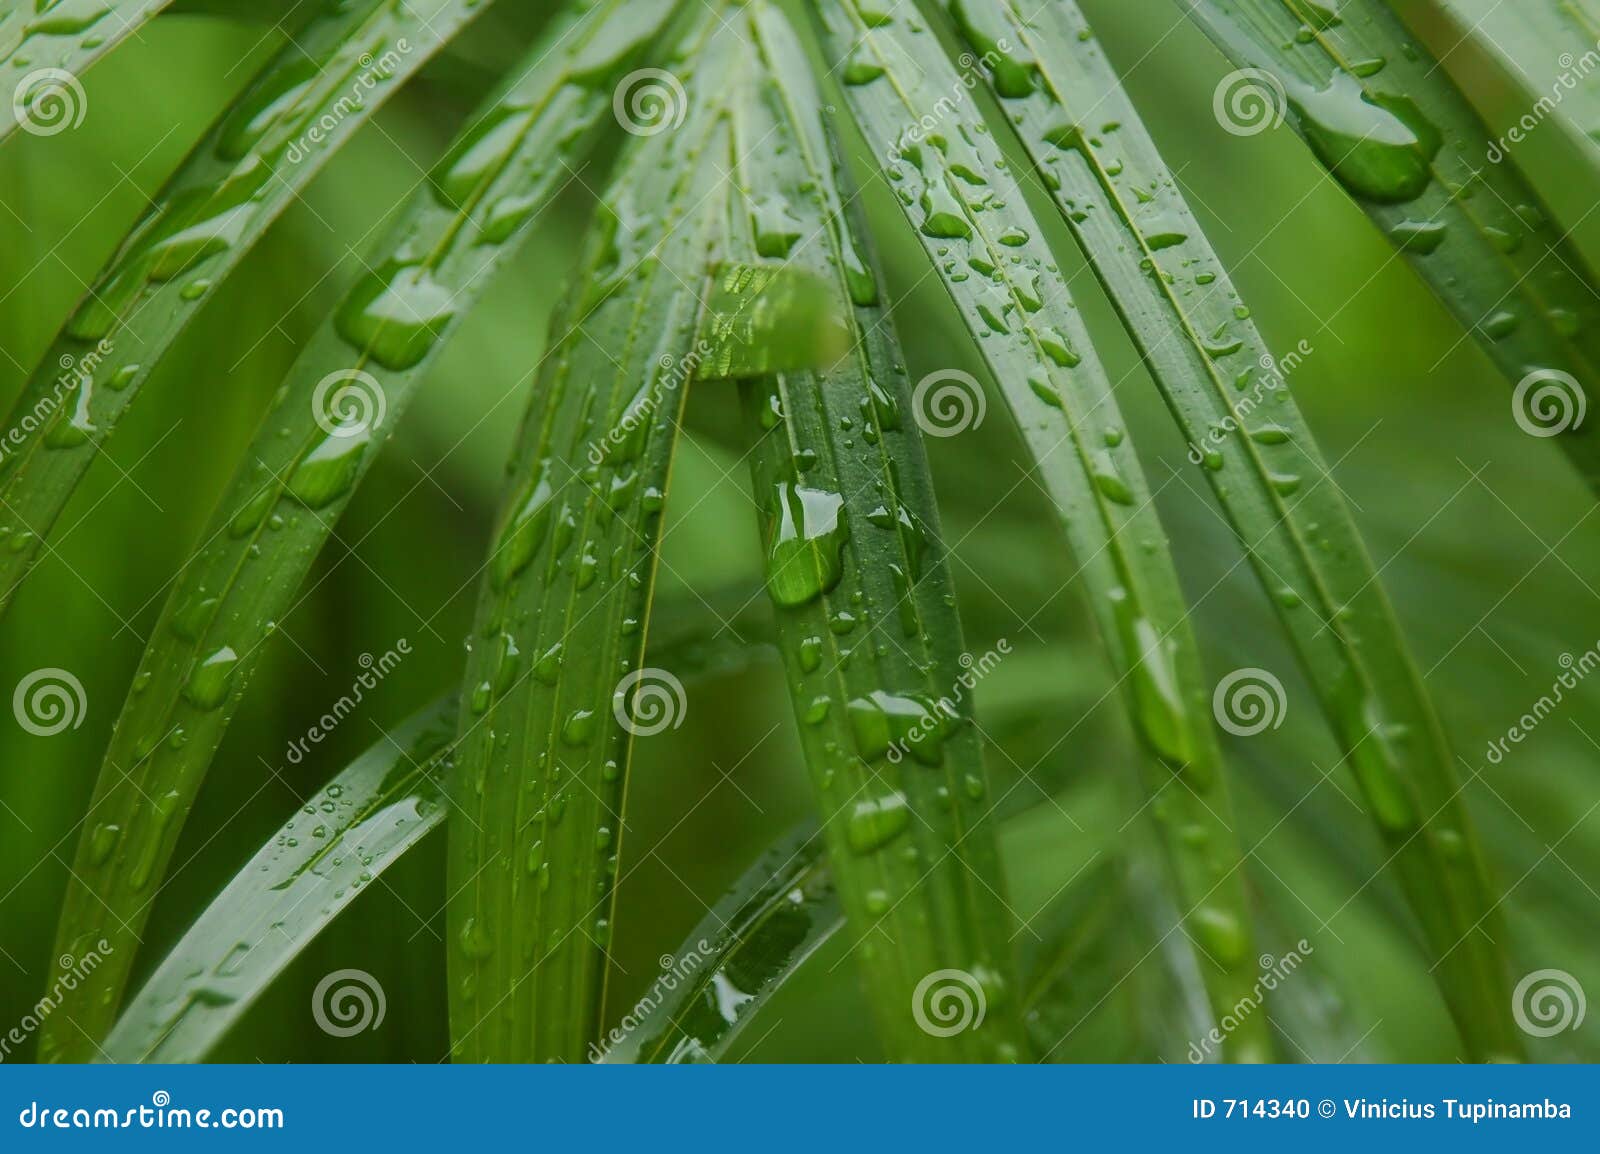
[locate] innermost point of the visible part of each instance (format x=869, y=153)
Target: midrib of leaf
x=1499, y=256
x=232, y=186
x=1126, y=566
x=43, y=41
x=281, y=508
x=1328, y=597
x=929, y=896
x=300, y=880
x=774, y=916
x=543, y=761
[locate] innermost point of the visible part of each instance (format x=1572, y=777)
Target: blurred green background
x=1484, y=537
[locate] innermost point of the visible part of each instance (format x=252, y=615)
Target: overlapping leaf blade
x=555, y=670
x=769, y=922
x=1229, y=394
x=322, y=859
x=866, y=616
x=1389, y=125
x=48, y=48
x=300, y=110
x=346, y=391
x=1015, y=302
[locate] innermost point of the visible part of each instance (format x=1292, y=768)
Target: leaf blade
x=280, y=509
x=1020, y=315
x=1128, y=213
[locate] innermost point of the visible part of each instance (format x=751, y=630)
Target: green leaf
x=261, y=153
x=1015, y=302
x=48, y=52
x=1540, y=47
x=555, y=670
x=770, y=921
x=371, y=815
x=1383, y=117
x=344, y=394
x=866, y=608
x=296, y=884
x=1229, y=394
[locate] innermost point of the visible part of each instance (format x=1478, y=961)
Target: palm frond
x=257, y=158
x=307, y=460
x=1015, y=303
x=1226, y=390
x=555, y=665
x=303, y=878
x=1385, y=120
